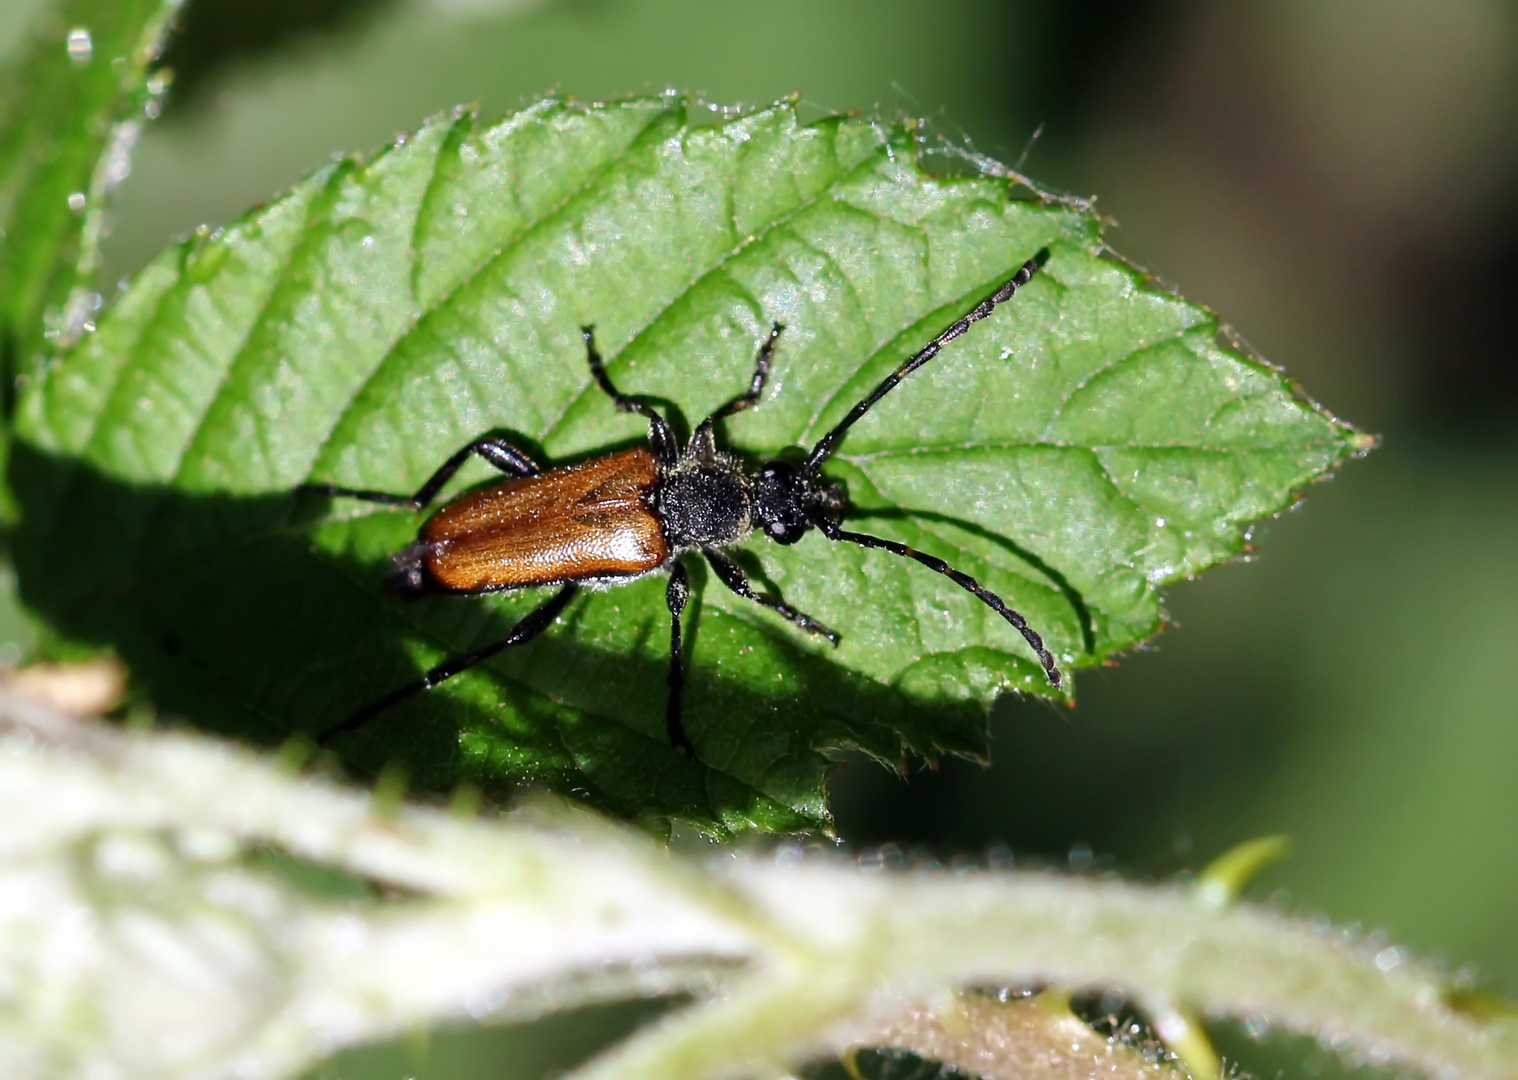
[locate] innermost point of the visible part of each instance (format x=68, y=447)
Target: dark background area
x=1337, y=179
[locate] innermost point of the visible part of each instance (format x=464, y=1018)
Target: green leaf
x=71, y=105
x=1088, y=443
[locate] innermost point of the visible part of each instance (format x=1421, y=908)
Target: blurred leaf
x=71, y=105
x=1085, y=445
x=232, y=34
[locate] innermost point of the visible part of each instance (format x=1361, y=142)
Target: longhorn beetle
x=618, y=517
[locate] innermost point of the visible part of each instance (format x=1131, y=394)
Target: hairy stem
x=133, y=849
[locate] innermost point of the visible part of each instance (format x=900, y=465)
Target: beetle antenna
x=833, y=531
x=829, y=442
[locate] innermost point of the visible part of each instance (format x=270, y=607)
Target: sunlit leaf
x=1085, y=445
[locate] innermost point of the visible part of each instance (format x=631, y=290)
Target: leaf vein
x=308, y=240
x=700, y=277
x=508, y=243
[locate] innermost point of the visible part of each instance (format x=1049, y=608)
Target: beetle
x=623, y=515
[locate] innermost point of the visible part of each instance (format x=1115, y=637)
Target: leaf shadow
x=1071, y=594
x=232, y=619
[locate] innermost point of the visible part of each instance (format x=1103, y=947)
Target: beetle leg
x=833, y=531
x=731, y=574
x=702, y=439
x=528, y=627
x=497, y=452
x=659, y=434
x=677, y=595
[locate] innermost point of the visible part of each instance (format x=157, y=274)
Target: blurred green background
x=1336, y=177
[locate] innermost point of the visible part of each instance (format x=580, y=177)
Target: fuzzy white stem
x=138, y=940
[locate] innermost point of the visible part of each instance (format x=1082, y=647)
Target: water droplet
x=80, y=46
x=77, y=201
x=1389, y=958
x=1159, y=523
x=68, y=324
x=1257, y=1028
x=116, y=162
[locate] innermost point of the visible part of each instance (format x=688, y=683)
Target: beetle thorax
x=705, y=502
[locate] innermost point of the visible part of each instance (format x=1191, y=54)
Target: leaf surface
x=1085, y=445
x=71, y=105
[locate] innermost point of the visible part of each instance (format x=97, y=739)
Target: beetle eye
x=780, y=503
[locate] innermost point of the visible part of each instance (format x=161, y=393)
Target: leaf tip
x=1362, y=442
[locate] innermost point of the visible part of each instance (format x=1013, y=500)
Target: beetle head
x=788, y=502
